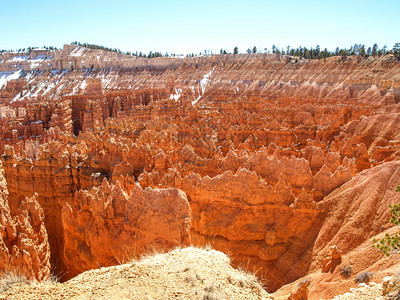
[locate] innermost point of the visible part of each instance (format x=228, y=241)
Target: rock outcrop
x=356, y=213
x=105, y=226
x=24, y=245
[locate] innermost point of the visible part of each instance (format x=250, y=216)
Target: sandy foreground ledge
x=188, y=273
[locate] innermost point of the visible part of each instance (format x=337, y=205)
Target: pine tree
x=254, y=49
x=362, y=50
x=317, y=51
x=235, y=50
x=374, y=49
x=396, y=50
x=391, y=243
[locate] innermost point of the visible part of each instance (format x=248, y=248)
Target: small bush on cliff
x=364, y=277
x=346, y=271
x=391, y=243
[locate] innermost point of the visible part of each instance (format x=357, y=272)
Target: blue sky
x=192, y=26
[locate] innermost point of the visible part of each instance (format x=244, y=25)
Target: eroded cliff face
x=24, y=243
x=105, y=226
x=237, y=151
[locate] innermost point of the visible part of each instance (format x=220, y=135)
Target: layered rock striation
x=240, y=151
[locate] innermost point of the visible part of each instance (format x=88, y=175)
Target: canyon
x=270, y=159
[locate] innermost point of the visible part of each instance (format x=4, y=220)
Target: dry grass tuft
x=9, y=278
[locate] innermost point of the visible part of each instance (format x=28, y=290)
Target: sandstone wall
x=24, y=244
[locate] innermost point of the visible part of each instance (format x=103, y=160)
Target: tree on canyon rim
x=396, y=50
x=390, y=244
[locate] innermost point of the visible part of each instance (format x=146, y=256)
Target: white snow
x=16, y=98
x=63, y=73
x=29, y=76
x=7, y=76
x=34, y=62
x=77, y=51
x=83, y=85
x=203, y=84
x=34, y=65
x=19, y=58
x=59, y=89
x=74, y=90
x=49, y=87
x=177, y=95
x=40, y=87
x=40, y=57
x=107, y=79
x=80, y=86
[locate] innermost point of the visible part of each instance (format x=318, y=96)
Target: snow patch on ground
x=55, y=72
x=41, y=86
x=40, y=57
x=50, y=87
x=203, y=84
x=19, y=58
x=107, y=79
x=77, y=51
x=177, y=95
x=17, y=97
x=7, y=76
x=75, y=89
x=59, y=89
x=34, y=62
x=83, y=85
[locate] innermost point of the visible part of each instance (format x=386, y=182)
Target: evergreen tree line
x=29, y=49
x=151, y=54
x=302, y=52
x=356, y=49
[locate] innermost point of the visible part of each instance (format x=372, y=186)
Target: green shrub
x=390, y=243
